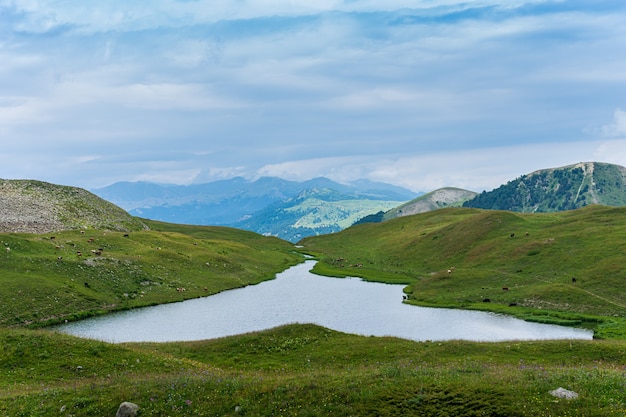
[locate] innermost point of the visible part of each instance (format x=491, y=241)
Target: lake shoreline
x=296, y=295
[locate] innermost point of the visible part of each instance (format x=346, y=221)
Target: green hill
x=47, y=280
x=66, y=254
x=558, y=189
x=41, y=207
x=566, y=262
x=449, y=257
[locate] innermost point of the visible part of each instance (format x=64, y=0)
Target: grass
x=563, y=267
x=55, y=277
x=306, y=370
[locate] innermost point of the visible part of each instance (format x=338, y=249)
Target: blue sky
x=422, y=93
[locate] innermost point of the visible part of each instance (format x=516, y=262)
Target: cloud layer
x=417, y=93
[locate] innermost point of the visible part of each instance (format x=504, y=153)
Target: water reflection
x=296, y=296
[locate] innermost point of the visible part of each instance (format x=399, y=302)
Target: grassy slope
x=144, y=268
x=307, y=370
x=537, y=264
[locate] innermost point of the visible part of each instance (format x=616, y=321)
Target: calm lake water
x=296, y=296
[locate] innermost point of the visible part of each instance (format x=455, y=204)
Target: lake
x=349, y=305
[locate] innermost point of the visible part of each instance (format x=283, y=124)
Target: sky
x=419, y=93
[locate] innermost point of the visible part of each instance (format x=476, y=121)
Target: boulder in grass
x=127, y=409
x=564, y=393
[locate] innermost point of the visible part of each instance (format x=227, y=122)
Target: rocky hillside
x=558, y=189
x=39, y=207
x=443, y=197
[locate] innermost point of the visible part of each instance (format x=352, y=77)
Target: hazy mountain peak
x=319, y=205
x=440, y=198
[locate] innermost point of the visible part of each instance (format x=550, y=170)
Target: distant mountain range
x=288, y=209
x=272, y=206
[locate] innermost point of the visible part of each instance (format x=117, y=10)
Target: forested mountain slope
x=558, y=189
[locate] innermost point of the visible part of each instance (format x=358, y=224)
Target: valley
x=561, y=268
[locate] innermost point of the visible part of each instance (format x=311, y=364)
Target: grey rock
x=127, y=409
x=564, y=393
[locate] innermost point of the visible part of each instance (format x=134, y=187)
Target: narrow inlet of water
x=349, y=305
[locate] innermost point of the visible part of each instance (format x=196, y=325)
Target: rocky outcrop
x=38, y=207
x=443, y=197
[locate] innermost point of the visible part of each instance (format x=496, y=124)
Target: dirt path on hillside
x=603, y=298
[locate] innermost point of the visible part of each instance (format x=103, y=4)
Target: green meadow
x=562, y=268
x=305, y=370
x=523, y=264
x=72, y=274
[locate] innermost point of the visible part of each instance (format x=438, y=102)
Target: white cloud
x=221, y=173
x=477, y=169
x=613, y=151
x=43, y=15
x=174, y=176
x=618, y=127
x=340, y=169
x=18, y=111
x=375, y=97
x=399, y=97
